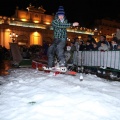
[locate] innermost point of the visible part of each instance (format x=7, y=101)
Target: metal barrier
x=100, y=59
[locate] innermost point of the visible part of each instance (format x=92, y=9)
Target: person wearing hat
x=60, y=25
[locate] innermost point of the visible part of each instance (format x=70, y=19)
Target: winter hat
x=60, y=11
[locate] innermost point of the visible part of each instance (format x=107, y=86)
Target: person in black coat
x=81, y=45
x=114, y=44
x=88, y=46
x=90, y=39
x=95, y=47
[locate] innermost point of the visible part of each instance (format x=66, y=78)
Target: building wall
x=33, y=27
x=26, y=36
x=30, y=36
x=107, y=27
x=35, y=17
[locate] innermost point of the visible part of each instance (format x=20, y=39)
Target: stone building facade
x=33, y=27
x=107, y=27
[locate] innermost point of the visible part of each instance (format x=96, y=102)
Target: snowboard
x=59, y=70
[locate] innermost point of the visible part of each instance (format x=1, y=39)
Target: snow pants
x=56, y=49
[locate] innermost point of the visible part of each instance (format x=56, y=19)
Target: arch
x=35, y=38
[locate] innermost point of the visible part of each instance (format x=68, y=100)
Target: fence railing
x=101, y=59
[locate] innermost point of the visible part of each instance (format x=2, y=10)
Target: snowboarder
x=59, y=24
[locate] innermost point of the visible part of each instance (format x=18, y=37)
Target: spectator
x=77, y=43
x=117, y=35
x=81, y=45
x=103, y=46
x=114, y=44
x=103, y=39
x=73, y=48
x=118, y=47
x=90, y=39
x=88, y=46
x=76, y=39
x=95, y=47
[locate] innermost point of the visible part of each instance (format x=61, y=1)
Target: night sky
x=82, y=11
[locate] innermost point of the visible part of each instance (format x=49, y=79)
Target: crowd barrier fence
x=98, y=59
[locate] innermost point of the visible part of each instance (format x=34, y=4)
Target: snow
x=29, y=94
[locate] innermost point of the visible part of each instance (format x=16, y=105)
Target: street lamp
x=13, y=36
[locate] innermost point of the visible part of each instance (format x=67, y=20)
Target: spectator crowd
x=40, y=52
x=91, y=44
